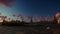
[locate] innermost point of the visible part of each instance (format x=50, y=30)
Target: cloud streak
x=7, y=2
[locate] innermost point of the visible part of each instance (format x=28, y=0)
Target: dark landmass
x=17, y=27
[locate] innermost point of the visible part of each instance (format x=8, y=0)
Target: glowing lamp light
x=1, y=20
x=58, y=20
x=8, y=19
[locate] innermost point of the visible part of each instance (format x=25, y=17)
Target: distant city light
x=9, y=19
x=28, y=18
x=58, y=20
x=1, y=19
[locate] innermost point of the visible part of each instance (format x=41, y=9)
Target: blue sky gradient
x=32, y=7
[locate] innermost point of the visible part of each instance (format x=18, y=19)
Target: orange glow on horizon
x=59, y=21
x=1, y=19
x=57, y=14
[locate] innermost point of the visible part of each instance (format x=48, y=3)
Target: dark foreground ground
x=42, y=28
x=21, y=30
x=28, y=30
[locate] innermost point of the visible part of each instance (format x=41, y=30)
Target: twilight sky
x=32, y=7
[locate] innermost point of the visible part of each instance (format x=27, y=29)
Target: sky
x=31, y=8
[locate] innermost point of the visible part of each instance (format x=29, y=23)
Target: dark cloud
x=7, y=2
